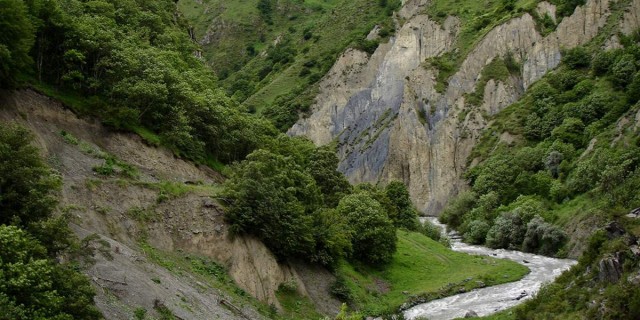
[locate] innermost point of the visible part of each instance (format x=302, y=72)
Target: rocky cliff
x=145, y=225
x=389, y=121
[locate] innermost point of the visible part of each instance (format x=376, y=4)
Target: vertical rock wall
x=391, y=124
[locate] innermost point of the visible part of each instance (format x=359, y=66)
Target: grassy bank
x=422, y=267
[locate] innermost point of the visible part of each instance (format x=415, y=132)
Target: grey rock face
x=610, y=268
x=391, y=124
x=471, y=314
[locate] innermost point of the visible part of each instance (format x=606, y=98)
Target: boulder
x=470, y=314
x=610, y=268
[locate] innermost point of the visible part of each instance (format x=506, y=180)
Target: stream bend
x=489, y=300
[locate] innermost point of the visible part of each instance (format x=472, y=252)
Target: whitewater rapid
x=489, y=300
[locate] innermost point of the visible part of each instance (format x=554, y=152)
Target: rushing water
x=489, y=300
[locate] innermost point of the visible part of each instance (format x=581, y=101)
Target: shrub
x=431, y=230
x=623, y=70
x=570, y=131
x=476, y=232
x=602, y=61
x=407, y=216
x=455, y=211
x=576, y=58
x=542, y=237
x=374, y=236
x=271, y=197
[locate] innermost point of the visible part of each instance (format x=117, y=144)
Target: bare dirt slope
x=147, y=203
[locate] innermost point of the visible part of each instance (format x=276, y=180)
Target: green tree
x=577, y=58
x=332, y=235
x=34, y=287
x=570, y=131
x=453, y=215
x=623, y=70
x=407, y=215
x=542, y=237
x=323, y=165
x=16, y=39
x=272, y=197
x=476, y=232
x=374, y=236
x=27, y=186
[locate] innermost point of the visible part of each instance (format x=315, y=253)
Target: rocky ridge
x=391, y=124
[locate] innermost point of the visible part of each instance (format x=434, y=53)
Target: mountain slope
x=391, y=117
x=157, y=215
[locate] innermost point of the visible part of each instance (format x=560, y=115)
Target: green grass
x=330, y=25
x=477, y=18
x=422, y=266
x=295, y=306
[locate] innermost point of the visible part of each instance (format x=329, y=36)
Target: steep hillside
x=165, y=233
x=270, y=54
x=395, y=117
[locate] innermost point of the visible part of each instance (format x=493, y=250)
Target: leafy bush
x=374, y=236
x=623, y=70
x=33, y=285
x=322, y=167
x=477, y=232
x=455, y=211
x=430, y=230
x=577, y=58
x=602, y=61
x=542, y=237
x=457, y=208
x=27, y=186
x=508, y=231
x=273, y=197
x=407, y=216
x=16, y=41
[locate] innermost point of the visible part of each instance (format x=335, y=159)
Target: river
x=489, y=300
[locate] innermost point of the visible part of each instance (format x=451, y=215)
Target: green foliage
x=542, y=237
x=622, y=70
x=340, y=290
x=344, y=313
x=136, y=64
x=566, y=8
x=431, y=230
x=425, y=269
x=140, y=313
x=28, y=188
x=477, y=232
x=454, y=213
x=374, y=236
x=32, y=286
x=266, y=10
x=497, y=70
x=285, y=197
x=15, y=41
x=322, y=167
x=407, y=216
x=272, y=197
x=570, y=131
x=576, y=58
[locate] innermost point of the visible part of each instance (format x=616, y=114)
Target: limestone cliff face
x=391, y=124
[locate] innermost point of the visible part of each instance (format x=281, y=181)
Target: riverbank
x=421, y=267
x=492, y=299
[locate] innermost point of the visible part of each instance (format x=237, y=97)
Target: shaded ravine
x=489, y=300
